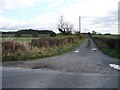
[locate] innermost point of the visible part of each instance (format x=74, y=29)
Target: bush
x=53, y=34
x=12, y=50
x=11, y=46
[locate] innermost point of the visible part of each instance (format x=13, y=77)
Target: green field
x=107, y=36
x=28, y=38
x=19, y=39
x=23, y=38
x=25, y=35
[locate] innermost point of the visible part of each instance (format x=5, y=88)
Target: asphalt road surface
x=80, y=68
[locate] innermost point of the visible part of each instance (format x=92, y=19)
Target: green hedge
x=113, y=43
x=109, y=46
x=54, y=41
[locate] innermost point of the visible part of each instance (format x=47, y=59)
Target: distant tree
x=107, y=34
x=65, y=28
x=93, y=32
x=77, y=32
x=35, y=34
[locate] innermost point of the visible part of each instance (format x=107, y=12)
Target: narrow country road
x=80, y=68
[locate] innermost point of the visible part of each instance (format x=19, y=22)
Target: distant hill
x=30, y=31
x=8, y=32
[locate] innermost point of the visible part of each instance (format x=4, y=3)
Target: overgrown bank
x=38, y=48
x=109, y=46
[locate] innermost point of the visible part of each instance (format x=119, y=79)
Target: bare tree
x=64, y=27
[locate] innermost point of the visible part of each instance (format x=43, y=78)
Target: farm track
x=80, y=68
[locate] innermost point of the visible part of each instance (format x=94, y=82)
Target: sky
x=98, y=15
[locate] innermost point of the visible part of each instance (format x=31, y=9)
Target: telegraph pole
x=80, y=24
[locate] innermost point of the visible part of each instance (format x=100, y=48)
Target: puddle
x=115, y=66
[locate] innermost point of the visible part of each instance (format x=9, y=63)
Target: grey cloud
x=16, y=27
x=108, y=23
x=109, y=19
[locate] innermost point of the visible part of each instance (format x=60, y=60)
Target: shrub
x=11, y=46
x=53, y=34
x=12, y=50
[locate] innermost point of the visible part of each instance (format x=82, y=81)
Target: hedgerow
x=38, y=48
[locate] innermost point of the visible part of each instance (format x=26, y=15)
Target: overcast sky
x=98, y=15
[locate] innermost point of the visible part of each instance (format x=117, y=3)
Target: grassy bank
x=109, y=45
x=15, y=51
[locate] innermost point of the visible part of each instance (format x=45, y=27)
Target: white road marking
x=77, y=51
x=94, y=49
x=115, y=66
